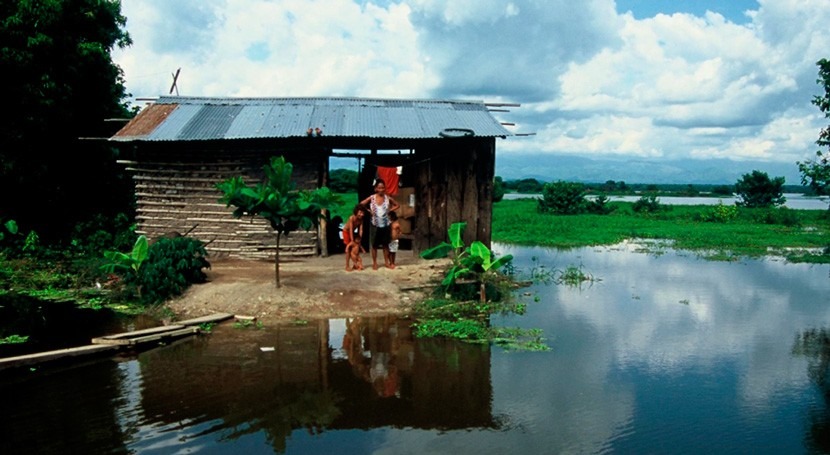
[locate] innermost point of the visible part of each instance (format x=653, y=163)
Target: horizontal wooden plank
x=217, y=317
x=138, y=333
x=32, y=359
x=181, y=164
x=167, y=334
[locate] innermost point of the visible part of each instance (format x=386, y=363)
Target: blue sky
x=731, y=9
x=626, y=79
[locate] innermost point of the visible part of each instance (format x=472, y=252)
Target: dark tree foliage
x=60, y=86
x=343, y=181
x=562, y=198
x=498, y=189
x=171, y=267
x=758, y=190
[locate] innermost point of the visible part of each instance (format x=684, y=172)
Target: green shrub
x=647, y=204
x=562, y=198
x=720, y=213
x=172, y=265
x=599, y=205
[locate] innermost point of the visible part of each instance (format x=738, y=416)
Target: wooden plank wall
x=176, y=193
x=454, y=183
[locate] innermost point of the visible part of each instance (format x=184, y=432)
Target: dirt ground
x=311, y=288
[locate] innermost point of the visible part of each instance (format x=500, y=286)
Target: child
x=353, y=251
x=354, y=225
x=395, y=234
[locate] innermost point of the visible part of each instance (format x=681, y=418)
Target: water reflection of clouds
x=673, y=314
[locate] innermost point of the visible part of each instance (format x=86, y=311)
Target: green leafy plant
x=207, y=326
x=720, y=213
x=171, y=266
x=32, y=243
x=248, y=324
x=124, y=262
x=10, y=227
x=277, y=201
x=475, y=261
x=14, y=339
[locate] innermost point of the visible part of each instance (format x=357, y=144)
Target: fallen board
x=116, y=342
x=158, y=335
x=31, y=359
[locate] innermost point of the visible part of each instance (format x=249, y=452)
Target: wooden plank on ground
x=108, y=339
x=175, y=331
x=217, y=317
x=31, y=359
x=165, y=335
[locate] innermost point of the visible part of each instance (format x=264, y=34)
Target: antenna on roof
x=175, y=78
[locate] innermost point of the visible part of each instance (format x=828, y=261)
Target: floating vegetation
x=248, y=324
x=14, y=339
x=574, y=276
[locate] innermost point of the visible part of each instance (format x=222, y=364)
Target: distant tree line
x=535, y=186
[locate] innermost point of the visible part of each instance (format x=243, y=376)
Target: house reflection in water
x=356, y=373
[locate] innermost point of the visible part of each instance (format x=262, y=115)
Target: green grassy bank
x=717, y=232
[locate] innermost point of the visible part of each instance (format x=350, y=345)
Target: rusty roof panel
x=194, y=119
x=145, y=122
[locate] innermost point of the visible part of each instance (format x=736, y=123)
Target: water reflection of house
x=226, y=377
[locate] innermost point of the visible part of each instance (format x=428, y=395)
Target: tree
x=277, y=201
x=529, y=185
x=60, y=84
x=758, y=190
x=816, y=173
x=562, y=198
x=498, y=189
x=343, y=180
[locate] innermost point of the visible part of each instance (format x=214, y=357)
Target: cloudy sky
x=661, y=79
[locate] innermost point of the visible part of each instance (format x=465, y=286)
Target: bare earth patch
x=311, y=288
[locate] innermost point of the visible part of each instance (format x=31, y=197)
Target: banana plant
x=475, y=260
x=127, y=261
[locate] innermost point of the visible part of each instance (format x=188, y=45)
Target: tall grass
x=751, y=232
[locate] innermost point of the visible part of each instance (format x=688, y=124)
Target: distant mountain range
x=547, y=168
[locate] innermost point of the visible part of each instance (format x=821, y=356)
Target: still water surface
x=662, y=353
x=794, y=200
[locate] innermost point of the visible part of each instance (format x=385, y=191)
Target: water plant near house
x=475, y=262
x=458, y=314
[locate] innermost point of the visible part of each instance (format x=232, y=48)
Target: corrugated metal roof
x=202, y=119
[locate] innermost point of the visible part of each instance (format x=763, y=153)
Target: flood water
x=793, y=200
x=661, y=353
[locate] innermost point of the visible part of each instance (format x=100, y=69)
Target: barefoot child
x=353, y=251
x=354, y=225
x=395, y=234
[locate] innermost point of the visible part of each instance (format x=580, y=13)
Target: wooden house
x=178, y=149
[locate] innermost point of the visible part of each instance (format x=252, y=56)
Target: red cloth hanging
x=390, y=177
